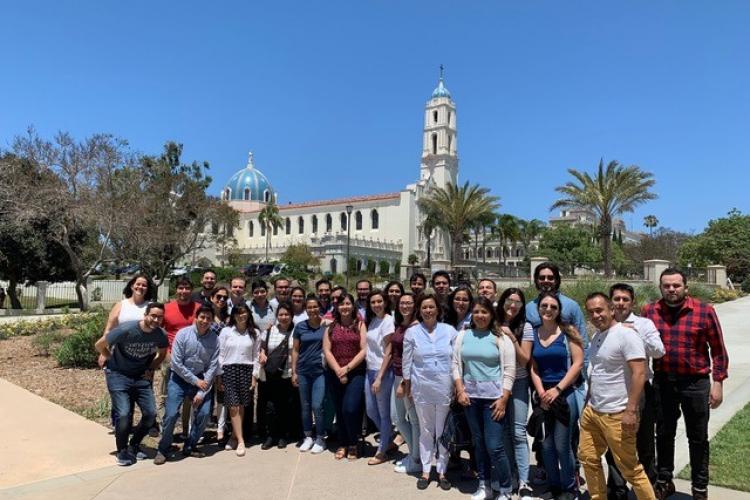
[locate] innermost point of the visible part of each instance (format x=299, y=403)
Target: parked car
x=178, y=271
x=258, y=270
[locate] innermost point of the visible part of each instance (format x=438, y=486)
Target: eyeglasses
x=511, y=302
x=461, y=299
x=552, y=307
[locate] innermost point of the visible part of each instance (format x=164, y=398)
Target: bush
x=77, y=350
x=724, y=295
x=745, y=287
x=45, y=343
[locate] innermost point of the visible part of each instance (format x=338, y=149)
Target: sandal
x=352, y=453
x=444, y=483
x=378, y=459
x=340, y=453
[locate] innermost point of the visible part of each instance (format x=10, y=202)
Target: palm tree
x=457, y=208
x=614, y=190
x=650, y=221
x=508, y=227
x=528, y=231
x=269, y=217
x=428, y=228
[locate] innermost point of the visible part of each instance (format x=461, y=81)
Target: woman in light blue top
x=428, y=351
x=484, y=367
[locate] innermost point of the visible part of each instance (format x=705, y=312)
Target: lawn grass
x=730, y=451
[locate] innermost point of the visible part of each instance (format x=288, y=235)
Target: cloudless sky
x=330, y=95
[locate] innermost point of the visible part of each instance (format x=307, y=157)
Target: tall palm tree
x=528, y=231
x=269, y=217
x=650, y=221
x=612, y=191
x=508, y=227
x=457, y=208
x=429, y=224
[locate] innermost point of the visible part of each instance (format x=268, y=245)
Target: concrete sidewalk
x=40, y=440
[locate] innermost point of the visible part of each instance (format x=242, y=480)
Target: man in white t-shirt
x=617, y=364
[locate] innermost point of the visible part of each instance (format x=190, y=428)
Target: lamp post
x=349, y=209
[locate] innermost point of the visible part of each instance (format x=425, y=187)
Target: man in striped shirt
x=694, y=353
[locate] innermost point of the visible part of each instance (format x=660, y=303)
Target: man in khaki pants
x=610, y=419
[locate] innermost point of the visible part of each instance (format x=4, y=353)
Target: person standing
x=299, y=309
x=308, y=374
x=694, y=353
x=511, y=310
x=488, y=289
x=276, y=379
x=195, y=360
x=460, y=303
x=394, y=289
x=345, y=347
x=403, y=411
x=132, y=351
x=484, y=368
x=239, y=346
x=428, y=352
x=557, y=360
x=363, y=287
x=610, y=418
x=379, y=382
x=622, y=297
x=208, y=283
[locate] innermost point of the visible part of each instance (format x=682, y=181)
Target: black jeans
x=277, y=396
x=688, y=396
x=617, y=487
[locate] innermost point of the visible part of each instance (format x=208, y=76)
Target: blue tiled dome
x=440, y=90
x=248, y=184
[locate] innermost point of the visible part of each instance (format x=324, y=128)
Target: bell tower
x=439, y=143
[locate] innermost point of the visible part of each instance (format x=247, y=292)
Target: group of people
x=419, y=364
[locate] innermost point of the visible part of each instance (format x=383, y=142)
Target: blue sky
x=330, y=95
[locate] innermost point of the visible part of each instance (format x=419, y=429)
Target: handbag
x=277, y=360
x=456, y=433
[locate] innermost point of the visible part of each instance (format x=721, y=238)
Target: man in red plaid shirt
x=694, y=353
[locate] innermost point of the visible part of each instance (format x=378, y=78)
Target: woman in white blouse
x=484, y=367
x=239, y=345
x=428, y=351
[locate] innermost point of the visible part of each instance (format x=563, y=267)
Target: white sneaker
x=402, y=465
x=306, y=444
x=482, y=493
x=524, y=492
x=502, y=496
x=319, y=447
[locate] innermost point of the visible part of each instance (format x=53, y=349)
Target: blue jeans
x=487, y=436
x=379, y=406
x=125, y=391
x=312, y=390
x=177, y=391
x=515, y=435
x=404, y=416
x=347, y=400
x=557, y=448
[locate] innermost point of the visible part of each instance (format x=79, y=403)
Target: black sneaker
x=192, y=452
x=282, y=443
x=137, y=453
x=700, y=494
x=422, y=483
x=159, y=459
x=154, y=431
x=444, y=483
x=124, y=458
x=267, y=444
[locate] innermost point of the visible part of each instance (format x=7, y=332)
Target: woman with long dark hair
x=345, y=347
x=484, y=368
x=511, y=314
x=239, y=346
x=394, y=290
x=275, y=387
x=556, y=363
x=379, y=381
x=460, y=303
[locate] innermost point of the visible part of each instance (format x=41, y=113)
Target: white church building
x=384, y=227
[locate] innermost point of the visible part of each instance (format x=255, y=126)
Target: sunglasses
x=221, y=297
x=552, y=307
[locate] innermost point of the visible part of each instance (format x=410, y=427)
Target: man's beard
x=546, y=287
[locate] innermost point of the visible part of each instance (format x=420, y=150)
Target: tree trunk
x=484, y=244
x=606, y=248
x=82, y=294
x=15, y=302
x=429, y=251
x=268, y=242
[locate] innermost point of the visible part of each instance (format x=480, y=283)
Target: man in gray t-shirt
x=610, y=419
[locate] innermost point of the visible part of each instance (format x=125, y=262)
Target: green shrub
x=581, y=288
x=77, y=350
x=46, y=342
x=745, y=287
x=724, y=295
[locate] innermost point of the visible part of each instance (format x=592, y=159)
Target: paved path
x=69, y=457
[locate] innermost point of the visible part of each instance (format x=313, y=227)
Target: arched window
x=489, y=253
x=358, y=220
x=227, y=193
x=360, y=265
x=275, y=229
x=262, y=229
x=374, y=219
x=434, y=143
x=329, y=223
x=343, y=221
x=518, y=252
x=314, y=224
x=333, y=266
x=250, y=228
x=288, y=224
x=266, y=195
x=300, y=225
x=246, y=195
